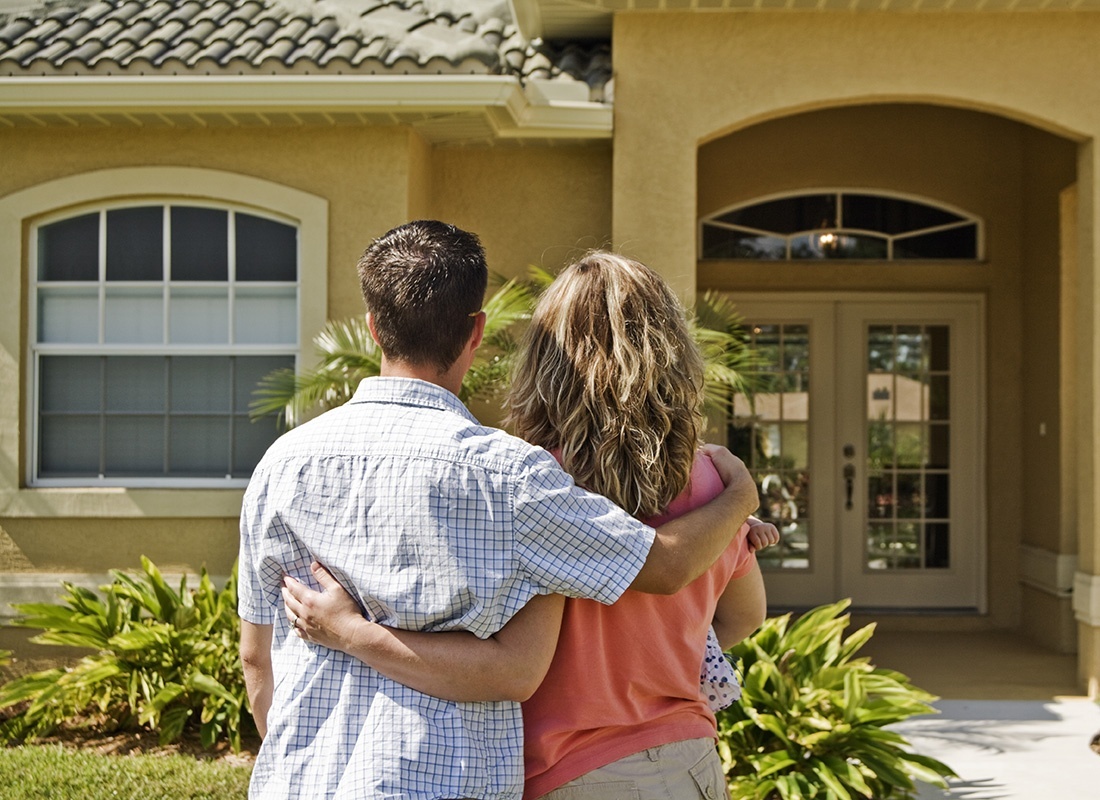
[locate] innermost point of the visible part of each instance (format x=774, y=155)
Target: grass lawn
x=52, y=771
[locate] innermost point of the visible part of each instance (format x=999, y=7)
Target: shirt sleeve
x=258, y=579
x=574, y=542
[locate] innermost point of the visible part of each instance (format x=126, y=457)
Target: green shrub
x=163, y=658
x=810, y=723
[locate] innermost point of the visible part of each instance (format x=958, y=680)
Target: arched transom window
x=840, y=225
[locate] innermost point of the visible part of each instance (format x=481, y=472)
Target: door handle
x=849, y=484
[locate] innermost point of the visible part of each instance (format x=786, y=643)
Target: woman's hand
x=452, y=665
x=329, y=617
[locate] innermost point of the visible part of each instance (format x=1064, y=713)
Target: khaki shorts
x=688, y=770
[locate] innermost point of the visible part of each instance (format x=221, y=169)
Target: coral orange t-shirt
x=625, y=677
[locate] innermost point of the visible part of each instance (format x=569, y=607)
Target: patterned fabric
x=433, y=522
x=717, y=680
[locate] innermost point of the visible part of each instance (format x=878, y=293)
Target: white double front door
x=864, y=433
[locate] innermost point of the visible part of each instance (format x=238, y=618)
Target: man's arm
x=258, y=677
x=455, y=665
x=684, y=548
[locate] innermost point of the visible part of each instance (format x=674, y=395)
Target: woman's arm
x=741, y=608
x=458, y=666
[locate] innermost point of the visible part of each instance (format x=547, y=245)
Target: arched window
x=151, y=324
x=840, y=225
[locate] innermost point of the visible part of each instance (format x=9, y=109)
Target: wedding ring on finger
x=294, y=621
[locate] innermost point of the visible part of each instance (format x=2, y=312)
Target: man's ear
x=370, y=327
x=478, y=333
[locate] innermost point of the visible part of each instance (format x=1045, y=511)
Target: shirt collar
x=410, y=392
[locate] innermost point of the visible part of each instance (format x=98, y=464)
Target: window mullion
x=167, y=429
x=165, y=275
x=102, y=417
x=231, y=289
x=102, y=293
x=232, y=416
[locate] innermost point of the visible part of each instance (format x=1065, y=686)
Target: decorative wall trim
x=1086, y=598
x=1047, y=571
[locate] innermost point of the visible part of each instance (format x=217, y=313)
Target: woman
x=610, y=380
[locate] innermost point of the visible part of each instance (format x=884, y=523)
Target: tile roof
x=254, y=37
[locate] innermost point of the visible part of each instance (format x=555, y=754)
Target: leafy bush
x=164, y=658
x=810, y=723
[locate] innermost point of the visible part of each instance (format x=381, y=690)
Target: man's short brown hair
x=423, y=283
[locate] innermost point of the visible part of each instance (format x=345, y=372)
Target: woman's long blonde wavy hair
x=609, y=375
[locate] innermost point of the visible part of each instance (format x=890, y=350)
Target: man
x=435, y=523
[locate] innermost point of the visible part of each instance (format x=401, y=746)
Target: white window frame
x=967, y=219
x=162, y=348
x=20, y=213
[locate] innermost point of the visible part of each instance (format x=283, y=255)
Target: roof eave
x=422, y=101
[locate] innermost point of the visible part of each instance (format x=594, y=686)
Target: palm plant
x=347, y=354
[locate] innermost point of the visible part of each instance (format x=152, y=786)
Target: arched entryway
x=913, y=443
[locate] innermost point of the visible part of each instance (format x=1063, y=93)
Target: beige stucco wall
x=683, y=79
x=98, y=545
x=531, y=205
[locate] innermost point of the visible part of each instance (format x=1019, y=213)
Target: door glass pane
x=961, y=242
x=769, y=431
x=787, y=214
x=719, y=242
x=838, y=245
x=891, y=214
x=135, y=244
x=908, y=447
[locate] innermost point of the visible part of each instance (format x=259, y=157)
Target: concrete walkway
x=1013, y=723
x=1011, y=749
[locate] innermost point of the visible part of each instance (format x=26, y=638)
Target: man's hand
x=734, y=474
x=329, y=617
x=685, y=547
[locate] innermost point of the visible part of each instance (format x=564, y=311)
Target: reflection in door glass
x=769, y=431
x=908, y=435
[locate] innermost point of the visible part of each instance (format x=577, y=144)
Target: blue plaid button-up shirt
x=435, y=523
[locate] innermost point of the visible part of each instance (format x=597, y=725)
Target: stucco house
x=902, y=197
